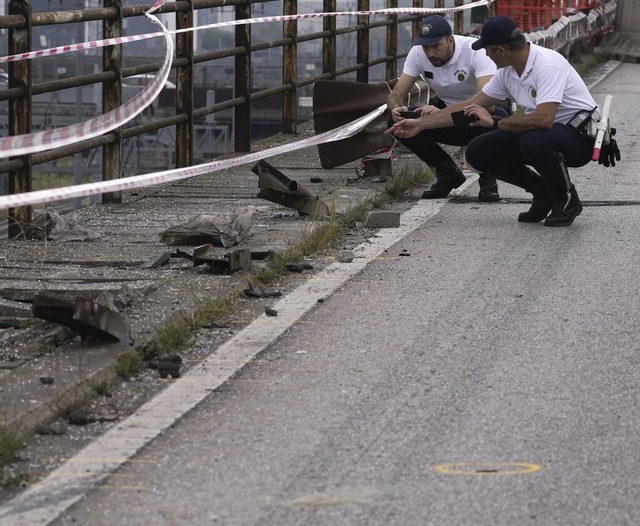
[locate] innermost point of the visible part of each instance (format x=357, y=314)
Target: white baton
x=602, y=127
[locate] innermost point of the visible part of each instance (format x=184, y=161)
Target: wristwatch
x=496, y=120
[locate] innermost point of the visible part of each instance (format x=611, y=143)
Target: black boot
x=541, y=204
x=488, y=189
x=566, y=207
x=525, y=178
x=444, y=185
x=566, y=203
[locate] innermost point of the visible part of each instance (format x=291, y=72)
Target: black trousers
x=542, y=149
x=426, y=144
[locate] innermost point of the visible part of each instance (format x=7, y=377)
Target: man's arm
x=400, y=91
x=442, y=119
x=541, y=119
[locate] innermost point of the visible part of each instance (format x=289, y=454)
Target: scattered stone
x=320, y=300
x=404, y=253
x=345, y=256
x=46, y=380
x=169, y=365
x=79, y=417
x=59, y=427
x=295, y=267
x=382, y=219
x=259, y=254
x=316, y=179
x=270, y=312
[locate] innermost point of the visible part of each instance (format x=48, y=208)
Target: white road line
x=44, y=502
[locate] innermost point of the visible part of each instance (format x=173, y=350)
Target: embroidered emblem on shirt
x=461, y=75
x=533, y=92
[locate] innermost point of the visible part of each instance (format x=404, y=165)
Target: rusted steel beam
x=20, y=116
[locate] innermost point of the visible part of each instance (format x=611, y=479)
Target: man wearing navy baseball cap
x=455, y=72
x=551, y=135
x=432, y=29
x=497, y=31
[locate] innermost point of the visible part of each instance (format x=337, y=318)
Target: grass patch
x=100, y=387
x=10, y=444
x=128, y=364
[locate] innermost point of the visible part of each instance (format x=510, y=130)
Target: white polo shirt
x=547, y=77
x=455, y=81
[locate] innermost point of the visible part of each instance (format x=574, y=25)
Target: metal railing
x=219, y=92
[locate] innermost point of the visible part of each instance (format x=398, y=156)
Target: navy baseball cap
x=432, y=29
x=497, y=31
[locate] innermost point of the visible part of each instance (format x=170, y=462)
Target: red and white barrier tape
x=46, y=140
x=139, y=181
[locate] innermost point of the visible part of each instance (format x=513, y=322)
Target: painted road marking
x=488, y=468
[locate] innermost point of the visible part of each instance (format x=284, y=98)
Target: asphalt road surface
x=479, y=372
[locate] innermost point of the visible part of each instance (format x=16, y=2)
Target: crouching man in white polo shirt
x=550, y=136
x=455, y=72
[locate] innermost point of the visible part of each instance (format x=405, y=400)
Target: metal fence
x=224, y=84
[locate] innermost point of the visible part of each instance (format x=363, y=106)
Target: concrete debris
x=256, y=292
x=157, y=261
x=168, y=365
x=49, y=224
x=382, y=219
x=298, y=267
x=85, y=317
x=232, y=261
x=203, y=229
x=278, y=188
x=59, y=427
x=345, y=256
x=15, y=309
x=260, y=254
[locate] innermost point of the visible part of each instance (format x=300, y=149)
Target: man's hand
x=609, y=153
x=395, y=113
x=485, y=119
x=404, y=128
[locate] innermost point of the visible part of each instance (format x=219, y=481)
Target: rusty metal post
x=329, y=41
x=242, y=113
x=362, y=49
x=458, y=19
x=112, y=159
x=184, y=87
x=20, y=114
x=392, y=40
x=290, y=69
x=491, y=10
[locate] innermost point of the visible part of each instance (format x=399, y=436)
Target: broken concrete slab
x=85, y=317
x=204, y=228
